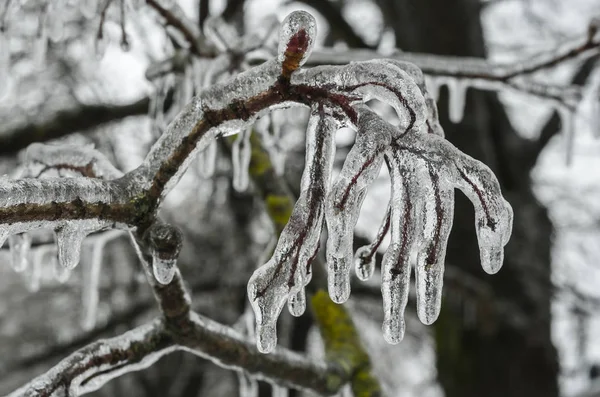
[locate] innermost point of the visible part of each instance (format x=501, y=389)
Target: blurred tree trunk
x=490, y=356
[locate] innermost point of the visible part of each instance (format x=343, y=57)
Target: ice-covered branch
x=175, y=16
x=89, y=368
x=480, y=73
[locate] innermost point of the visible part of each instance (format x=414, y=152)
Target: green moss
x=343, y=347
x=279, y=209
x=260, y=162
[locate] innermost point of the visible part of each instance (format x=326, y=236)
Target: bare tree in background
x=221, y=93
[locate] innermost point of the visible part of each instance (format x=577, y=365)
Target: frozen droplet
x=364, y=263
x=297, y=303
x=457, y=90
x=68, y=240
x=20, y=245
x=163, y=268
x=240, y=156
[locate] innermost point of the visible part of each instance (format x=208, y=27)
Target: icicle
x=240, y=157
x=20, y=245
x=279, y=391
x=163, y=269
x=35, y=269
x=90, y=288
x=61, y=273
x=567, y=120
x=207, y=160
x=297, y=303
x=248, y=385
x=433, y=86
x=457, y=96
x=89, y=8
x=69, y=238
x=3, y=236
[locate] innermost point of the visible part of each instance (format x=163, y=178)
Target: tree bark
x=490, y=355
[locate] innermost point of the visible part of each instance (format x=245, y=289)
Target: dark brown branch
x=175, y=17
x=67, y=122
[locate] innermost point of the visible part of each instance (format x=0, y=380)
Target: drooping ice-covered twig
x=288, y=271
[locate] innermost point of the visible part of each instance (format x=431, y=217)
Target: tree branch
x=66, y=122
x=90, y=367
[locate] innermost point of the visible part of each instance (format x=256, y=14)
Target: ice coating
x=360, y=169
x=416, y=74
x=240, y=158
x=80, y=159
x=20, y=245
x=296, y=40
x=493, y=214
x=285, y=274
x=437, y=211
x=372, y=80
x=395, y=266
